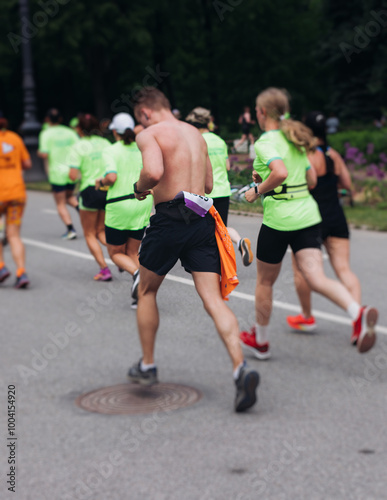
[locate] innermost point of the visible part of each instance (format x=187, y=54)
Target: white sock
x=261, y=333
x=237, y=370
x=145, y=367
x=353, y=310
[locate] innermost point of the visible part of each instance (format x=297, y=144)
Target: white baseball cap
x=121, y=122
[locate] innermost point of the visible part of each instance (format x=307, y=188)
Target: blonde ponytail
x=276, y=103
x=299, y=134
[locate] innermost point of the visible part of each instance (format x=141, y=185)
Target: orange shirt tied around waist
x=12, y=153
x=229, y=278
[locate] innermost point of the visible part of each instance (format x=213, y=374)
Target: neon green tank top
x=86, y=156
x=217, y=151
x=56, y=141
x=285, y=215
x=126, y=162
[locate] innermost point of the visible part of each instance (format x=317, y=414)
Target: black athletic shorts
x=339, y=230
x=168, y=239
x=222, y=205
x=119, y=237
x=57, y=188
x=272, y=244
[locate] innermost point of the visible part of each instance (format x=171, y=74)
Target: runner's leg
x=89, y=225
x=338, y=251
x=125, y=256
x=310, y=263
x=101, y=227
x=16, y=244
x=147, y=312
x=71, y=199
x=303, y=290
x=207, y=286
x=266, y=277
x=60, y=200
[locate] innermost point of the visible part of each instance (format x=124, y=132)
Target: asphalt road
x=318, y=430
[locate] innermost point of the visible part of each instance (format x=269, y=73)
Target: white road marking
x=51, y=211
x=185, y=281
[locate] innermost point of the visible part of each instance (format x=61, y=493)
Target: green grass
x=38, y=186
x=359, y=216
x=368, y=217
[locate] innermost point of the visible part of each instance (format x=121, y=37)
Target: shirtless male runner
x=175, y=159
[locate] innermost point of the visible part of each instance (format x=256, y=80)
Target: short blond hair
x=152, y=98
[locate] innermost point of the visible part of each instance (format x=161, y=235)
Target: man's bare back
x=175, y=158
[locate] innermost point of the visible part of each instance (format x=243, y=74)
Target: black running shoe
x=147, y=377
x=246, y=386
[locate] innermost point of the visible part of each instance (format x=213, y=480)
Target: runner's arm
x=341, y=170
x=26, y=164
x=209, y=177
x=152, y=160
x=42, y=155
x=108, y=180
x=311, y=176
x=276, y=177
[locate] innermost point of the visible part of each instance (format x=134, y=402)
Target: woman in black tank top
x=332, y=174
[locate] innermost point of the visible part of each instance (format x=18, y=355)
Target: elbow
x=282, y=176
x=73, y=175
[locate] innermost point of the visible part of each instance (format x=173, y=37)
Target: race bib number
x=198, y=204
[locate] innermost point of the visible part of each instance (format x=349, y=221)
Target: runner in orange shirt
x=14, y=157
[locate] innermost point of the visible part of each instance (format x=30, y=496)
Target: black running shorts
x=337, y=230
x=119, y=237
x=222, y=205
x=57, y=188
x=166, y=240
x=272, y=243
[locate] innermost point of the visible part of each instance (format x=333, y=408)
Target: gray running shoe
x=246, y=385
x=70, y=235
x=136, y=281
x=4, y=274
x=148, y=377
x=245, y=250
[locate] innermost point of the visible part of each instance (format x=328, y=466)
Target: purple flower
x=370, y=148
x=374, y=171
x=383, y=157
x=351, y=153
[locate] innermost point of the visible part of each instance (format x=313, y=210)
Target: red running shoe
x=248, y=340
x=363, y=335
x=301, y=323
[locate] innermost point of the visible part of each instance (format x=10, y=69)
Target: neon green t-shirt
x=86, y=156
x=217, y=151
x=56, y=141
x=285, y=215
x=126, y=162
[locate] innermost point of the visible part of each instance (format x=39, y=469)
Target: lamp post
x=30, y=127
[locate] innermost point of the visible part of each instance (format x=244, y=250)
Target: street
x=317, y=432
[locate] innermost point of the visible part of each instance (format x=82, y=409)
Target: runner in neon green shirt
x=55, y=142
x=218, y=154
x=126, y=218
x=291, y=217
x=87, y=163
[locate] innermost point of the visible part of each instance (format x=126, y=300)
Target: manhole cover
x=132, y=398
